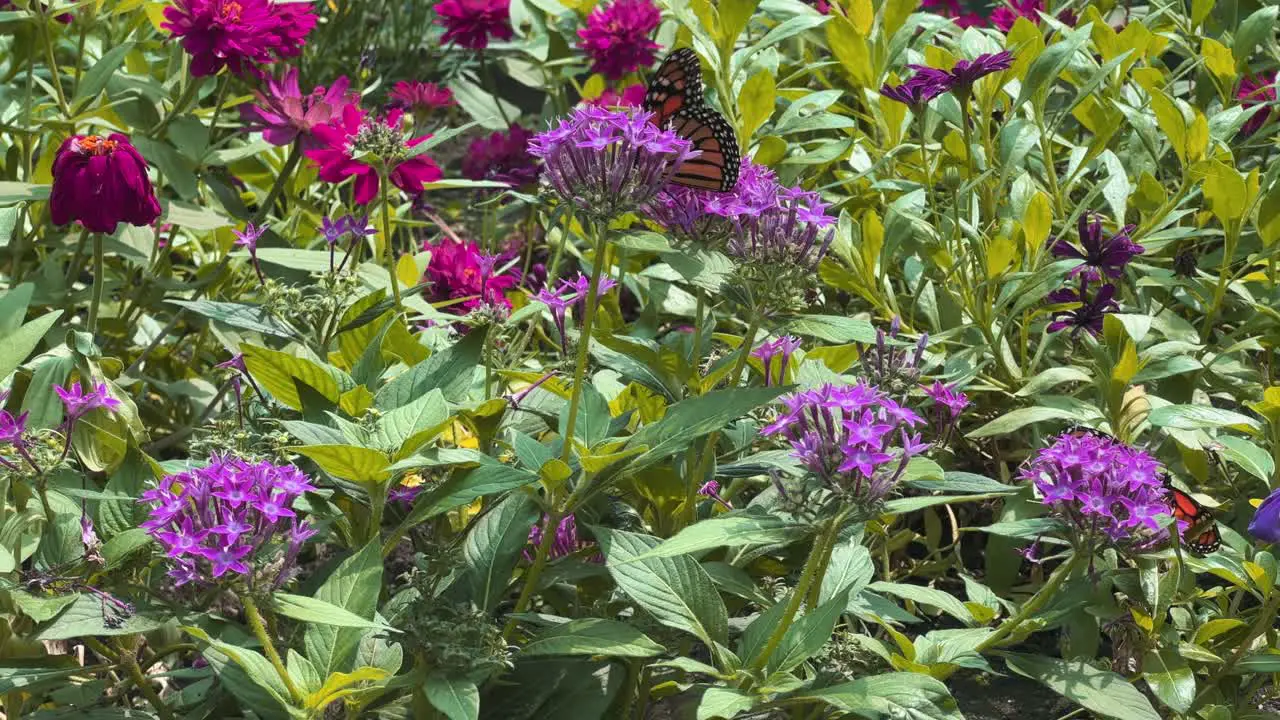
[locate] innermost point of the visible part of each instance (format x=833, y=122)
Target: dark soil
x=987, y=697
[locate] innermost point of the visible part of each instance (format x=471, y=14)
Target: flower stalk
x=259, y=629
x=386, y=235
x=99, y=282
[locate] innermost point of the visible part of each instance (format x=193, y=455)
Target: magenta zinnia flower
x=1004, y=16
x=470, y=23
x=101, y=182
x=1256, y=90
x=630, y=96
x=283, y=113
x=420, y=97
x=616, y=37
x=460, y=270
x=503, y=157
x=956, y=10
x=341, y=138
x=238, y=34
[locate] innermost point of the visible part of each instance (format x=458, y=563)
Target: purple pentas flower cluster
x=1107, y=491
x=854, y=438
x=609, y=162
x=948, y=404
x=706, y=217
x=566, y=540
x=216, y=520
x=782, y=348
x=569, y=294
x=794, y=232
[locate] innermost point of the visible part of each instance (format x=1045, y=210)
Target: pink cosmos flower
x=461, y=270
x=470, y=23
x=101, y=182
x=420, y=96
x=334, y=155
x=1256, y=90
x=238, y=34
x=616, y=37
x=631, y=96
x=283, y=113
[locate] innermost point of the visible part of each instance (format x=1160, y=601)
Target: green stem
x=130, y=662
x=1032, y=606
x=540, y=558
x=584, y=340
x=290, y=164
x=223, y=86
x=924, y=160
x=386, y=236
x=259, y=629
x=188, y=95
x=814, y=569
x=1220, y=290
x=744, y=353
x=52, y=62
x=99, y=282
x=377, y=505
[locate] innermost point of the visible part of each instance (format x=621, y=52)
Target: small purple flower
x=88, y=536
x=334, y=230
x=566, y=540
x=1101, y=255
x=248, y=238
x=792, y=235
x=1265, y=524
x=781, y=348
x=1089, y=316
x=946, y=396
x=77, y=402
x=235, y=363
x=227, y=558
x=1108, y=492
x=360, y=227
x=609, y=162
x=12, y=429
x=705, y=217
x=919, y=90
x=273, y=508
x=569, y=294
x=711, y=489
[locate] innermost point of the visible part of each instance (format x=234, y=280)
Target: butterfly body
x=675, y=98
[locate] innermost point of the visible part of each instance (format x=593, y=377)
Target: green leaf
x=1198, y=417
x=15, y=192
x=313, y=610
x=276, y=371
x=84, y=618
x=457, y=698
x=490, y=478
x=807, y=635
x=690, y=419
x=1251, y=458
x=1170, y=679
x=16, y=346
x=354, y=587
x=481, y=106
x=675, y=590
x=1099, y=691
x=1016, y=419
x=41, y=608
x=449, y=370
x=893, y=695
x=944, y=601
x=493, y=546
x=245, y=317
x=1050, y=63
x=95, y=79
x=593, y=636
x=850, y=568
x=731, y=529
x=349, y=462
x=718, y=702
x=29, y=679
x=407, y=428
x=1053, y=377
x=832, y=328
x=122, y=545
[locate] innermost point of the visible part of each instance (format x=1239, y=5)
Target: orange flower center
x=229, y=11
x=96, y=145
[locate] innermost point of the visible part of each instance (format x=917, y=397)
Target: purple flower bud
x=1266, y=519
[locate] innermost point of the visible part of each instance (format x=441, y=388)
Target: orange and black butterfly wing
x=718, y=161
x=1201, y=535
x=677, y=85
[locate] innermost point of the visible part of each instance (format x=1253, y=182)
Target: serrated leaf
x=1100, y=691
x=349, y=462
x=593, y=636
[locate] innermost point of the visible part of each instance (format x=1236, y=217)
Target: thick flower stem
x=1032, y=606
x=922, y=116
x=584, y=340
x=1230, y=242
x=540, y=558
x=814, y=569
x=386, y=237
x=47, y=38
x=99, y=282
x=259, y=629
x=130, y=662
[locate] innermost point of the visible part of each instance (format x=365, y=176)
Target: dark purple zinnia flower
x=1256, y=90
x=965, y=73
x=101, y=182
x=238, y=34
x=470, y=23
x=1089, y=315
x=1265, y=524
x=609, y=162
x=503, y=157
x=616, y=37
x=284, y=113
x=420, y=97
x=1108, y=492
x=919, y=90
x=1101, y=255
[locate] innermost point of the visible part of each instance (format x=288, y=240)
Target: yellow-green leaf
x=340, y=684
x=755, y=103
x=349, y=462
x=1269, y=216
x=276, y=371
x=1220, y=62
x=1037, y=221
x=1226, y=192
x=1000, y=252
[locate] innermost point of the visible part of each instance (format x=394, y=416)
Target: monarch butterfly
x=675, y=99
x=1202, y=535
